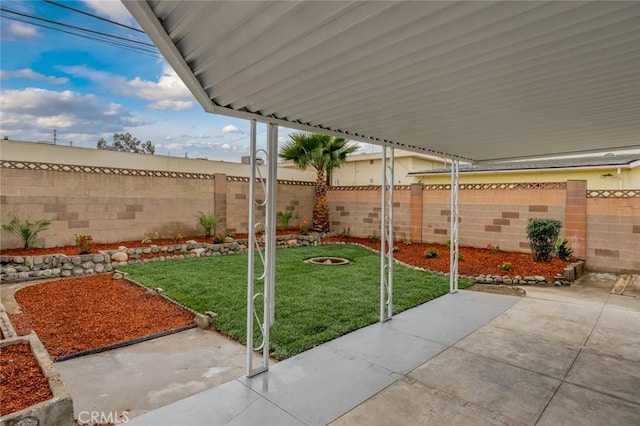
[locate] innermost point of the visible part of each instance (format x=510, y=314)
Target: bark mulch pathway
x=79, y=314
x=22, y=383
x=474, y=261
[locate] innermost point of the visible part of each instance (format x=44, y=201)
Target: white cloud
x=32, y=75
x=225, y=146
x=169, y=92
x=169, y=104
x=230, y=128
x=18, y=30
x=96, y=76
x=168, y=86
x=31, y=112
x=113, y=9
x=60, y=121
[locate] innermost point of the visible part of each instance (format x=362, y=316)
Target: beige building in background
x=618, y=172
x=365, y=169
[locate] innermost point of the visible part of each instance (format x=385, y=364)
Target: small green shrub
x=506, y=266
x=218, y=239
x=460, y=257
x=447, y=242
x=562, y=250
x=179, y=237
x=209, y=222
x=431, y=253
x=346, y=232
x=27, y=231
x=304, y=228
x=494, y=249
x=84, y=242
x=374, y=238
x=146, y=241
x=284, y=218
x=542, y=235
x=395, y=249
x=407, y=242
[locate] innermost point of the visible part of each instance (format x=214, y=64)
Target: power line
x=92, y=15
x=50, y=21
x=138, y=49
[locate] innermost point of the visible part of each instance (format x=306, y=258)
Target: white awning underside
x=476, y=80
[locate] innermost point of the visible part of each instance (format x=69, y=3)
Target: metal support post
x=453, y=256
x=386, y=237
x=266, y=255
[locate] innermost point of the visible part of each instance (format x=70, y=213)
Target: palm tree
x=323, y=153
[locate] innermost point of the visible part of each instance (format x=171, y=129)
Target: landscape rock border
x=17, y=269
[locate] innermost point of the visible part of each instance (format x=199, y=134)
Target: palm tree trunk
x=321, y=205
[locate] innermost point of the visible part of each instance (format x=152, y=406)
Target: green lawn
x=314, y=304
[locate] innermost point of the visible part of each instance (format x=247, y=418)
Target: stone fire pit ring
x=328, y=261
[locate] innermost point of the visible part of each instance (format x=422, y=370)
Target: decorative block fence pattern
x=602, y=227
x=116, y=204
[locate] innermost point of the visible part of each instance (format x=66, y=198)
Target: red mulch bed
x=79, y=314
x=22, y=383
x=475, y=261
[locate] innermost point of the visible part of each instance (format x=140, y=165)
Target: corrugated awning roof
x=626, y=161
x=480, y=81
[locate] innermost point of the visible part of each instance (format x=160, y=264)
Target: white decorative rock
x=119, y=256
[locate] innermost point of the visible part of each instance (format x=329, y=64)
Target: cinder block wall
x=613, y=234
x=110, y=207
x=122, y=206
x=360, y=209
x=500, y=216
x=292, y=196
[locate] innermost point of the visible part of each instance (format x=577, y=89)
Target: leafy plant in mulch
x=209, y=222
x=542, y=235
x=506, y=266
x=84, y=242
x=284, y=218
x=26, y=230
x=431, y=253
x=562, y=250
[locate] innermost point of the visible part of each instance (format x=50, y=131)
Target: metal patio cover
x=479, y=81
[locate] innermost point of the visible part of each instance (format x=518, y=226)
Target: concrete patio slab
x=319, y=385
x=142, y=377
x=506, y=362
x=624, y=302
x=413, y=403
x=575, y=405
x=379, y=345
x=616, y=343
x=488, y=383
x=620, y=319
x=586, y=313
x=523, y=350
x=230, y=404
x=540, y=324
x=610, y=375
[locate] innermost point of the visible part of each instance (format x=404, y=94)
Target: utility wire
x=92, y=15
x=37, y=18
x=138, y=49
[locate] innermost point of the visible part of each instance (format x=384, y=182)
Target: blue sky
x=88, y=90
